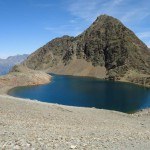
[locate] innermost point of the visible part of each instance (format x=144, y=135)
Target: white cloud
x=90, y=9
x=136, y=14
x=127, y=11
x=73, y=21
x=65, y=30
x=83, y=9
x=144, y=34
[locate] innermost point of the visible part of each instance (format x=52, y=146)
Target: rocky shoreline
x=22, y=76
x=27, y=124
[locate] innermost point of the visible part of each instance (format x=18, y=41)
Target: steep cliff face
x=51, y=54
x=108, y=42
x=110, y=49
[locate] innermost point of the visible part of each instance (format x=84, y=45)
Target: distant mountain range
x=107, y=49
x=7, y=64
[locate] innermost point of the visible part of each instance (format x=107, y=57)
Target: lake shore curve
x=27, y=124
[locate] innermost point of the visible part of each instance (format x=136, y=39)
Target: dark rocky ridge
x=107, y=43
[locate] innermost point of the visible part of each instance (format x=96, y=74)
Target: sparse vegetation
x=107, y=43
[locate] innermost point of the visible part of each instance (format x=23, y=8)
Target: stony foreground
x=26, y=125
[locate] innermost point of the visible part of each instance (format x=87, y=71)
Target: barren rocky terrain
x=26, y=124
x=22, y=76
x=107, y=49
x=33, y=125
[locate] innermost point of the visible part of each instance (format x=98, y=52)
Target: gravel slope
x=33, y=125
x=26, y=124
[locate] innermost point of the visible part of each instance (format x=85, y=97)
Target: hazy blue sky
x=25, y=25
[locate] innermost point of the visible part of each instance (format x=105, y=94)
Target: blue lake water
x=88, y=92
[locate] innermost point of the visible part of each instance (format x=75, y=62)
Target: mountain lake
x=88, y=92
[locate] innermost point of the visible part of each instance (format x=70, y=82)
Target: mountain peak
x=103, y=19
x=105, y=16
x=107, y=43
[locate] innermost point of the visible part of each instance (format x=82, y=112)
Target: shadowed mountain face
x=107, y=49
x=7, y=64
